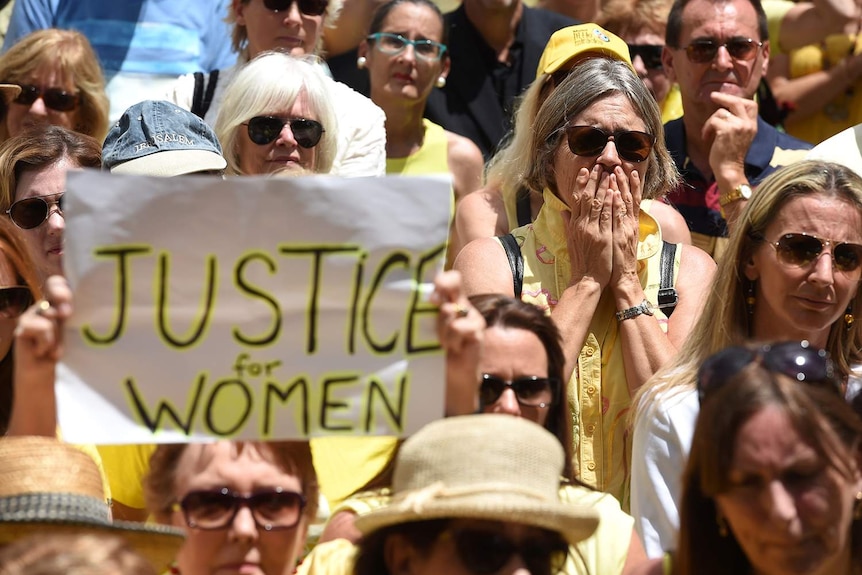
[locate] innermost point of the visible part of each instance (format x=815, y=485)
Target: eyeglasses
x=796, y=360
x=393, y=44
x=272, y=510
x=529, y=391
x=703, y=50
x=29, y=213
x=14, y=300
x=589, y=141
x=801, y=249
x=483, y=551
x=307, y=7
x=55, y=98
x=650, y=54
x=263, y=130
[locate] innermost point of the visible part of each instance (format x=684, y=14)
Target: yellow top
x=431, y=158
x=598, y=393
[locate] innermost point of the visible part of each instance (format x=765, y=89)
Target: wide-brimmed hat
x=571, y=41
x=158, y=138
x=47, y=486
x=9, y=92
x=490, y=466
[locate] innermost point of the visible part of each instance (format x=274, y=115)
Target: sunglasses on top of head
x=631, y=145
x=307, y=7
x=484, y=552
x=799, y=250
x=704, y=50
x=795, y=359
x=263, y=130
x=29, y=213
x=57, y=99
x=650, y=54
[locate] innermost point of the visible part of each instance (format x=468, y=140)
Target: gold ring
x=43, y=306
x=461, y=311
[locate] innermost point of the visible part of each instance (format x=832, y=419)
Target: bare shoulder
x=485, y=268
x=674, y=229
x=463, y=149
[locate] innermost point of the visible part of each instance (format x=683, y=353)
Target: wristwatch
x=643, y=308
x=740, y=192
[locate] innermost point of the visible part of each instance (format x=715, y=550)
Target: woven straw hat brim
x=574, y=522
x=157, y=544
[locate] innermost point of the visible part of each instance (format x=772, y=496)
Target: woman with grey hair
x=593, y=260
x=277, y=114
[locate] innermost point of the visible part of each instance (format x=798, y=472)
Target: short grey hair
x=589, y=82
x=273, y=81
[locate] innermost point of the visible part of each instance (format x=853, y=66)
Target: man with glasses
x=718, y=51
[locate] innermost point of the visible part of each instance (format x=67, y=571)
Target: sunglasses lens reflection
x=54, y=98
x=14, y=300
x=801, y=250
x=590, y=141
x=30, y=213
x=263, y=130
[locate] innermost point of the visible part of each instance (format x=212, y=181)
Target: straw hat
x=47, y=486
x=489, y=466
x=571, y=41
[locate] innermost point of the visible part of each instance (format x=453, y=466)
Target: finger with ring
x=43, y=306
x=461, y=311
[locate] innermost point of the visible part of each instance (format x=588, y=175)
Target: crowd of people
x=653, y=363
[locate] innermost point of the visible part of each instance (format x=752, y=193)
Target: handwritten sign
x=251, y=307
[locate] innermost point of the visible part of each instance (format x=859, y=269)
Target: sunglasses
x=703, y=50
x=14, y=300
x=483, y=551
x=529, y=391
x=650, y=55
x=589, y=141
x=29, y=213
x=801, y=249
x=795, y=359
x=55, y=98
x=392, y=44
x=263, y=130
x=307, y=7
x=272, y=510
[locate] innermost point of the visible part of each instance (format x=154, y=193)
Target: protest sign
x=251, y=307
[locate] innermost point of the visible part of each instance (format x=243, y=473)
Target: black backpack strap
x=667, y=296
x=522, y=207
x=203, y=95
x=516, y=261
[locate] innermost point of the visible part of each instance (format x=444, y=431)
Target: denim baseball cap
x=158, y=138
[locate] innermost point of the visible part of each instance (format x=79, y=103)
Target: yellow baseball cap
x=571, y=41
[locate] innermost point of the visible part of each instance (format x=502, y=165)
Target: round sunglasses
x=30, y=213
x=703, y=50
x=631, y=145
x=272, y=510
x=57, y=99
x=393, y=44
x=263, y=130
x=529, y=391
x=484, y=551
x=14, y=300
x=798, y=249
x=307, y=7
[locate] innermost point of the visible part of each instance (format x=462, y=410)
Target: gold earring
x=848, y=317
x=722, y=525
x=441, y=82
x=360, y=62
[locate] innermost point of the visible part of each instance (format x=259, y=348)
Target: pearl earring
x=360, y=62
x=441, y=82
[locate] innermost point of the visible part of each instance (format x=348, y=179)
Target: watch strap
x=643, y=308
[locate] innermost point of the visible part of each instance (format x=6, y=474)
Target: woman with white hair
x=294, y=28
x=277, y=114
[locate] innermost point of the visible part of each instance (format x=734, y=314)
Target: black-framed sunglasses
x=272, y=510
x=703, y=50
x=799, y=250
x=483, y=551
x=393, y=44
x=650, y=54
x=529, y=391
x=55, y=98
x=14, y=300
x=590, y=141
x=307, y=7
x=30, y=213
x=263, y=130
x=797, y=360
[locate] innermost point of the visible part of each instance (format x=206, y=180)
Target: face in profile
x=788, y=508
x=38, y=215
x=230, y=492
x=399, y=70
x=48, y=97
x=277, y=140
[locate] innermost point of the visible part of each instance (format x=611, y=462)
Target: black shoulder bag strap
x=203, y=97
x=516, y=262
x=523, y=208
x=667, y=296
